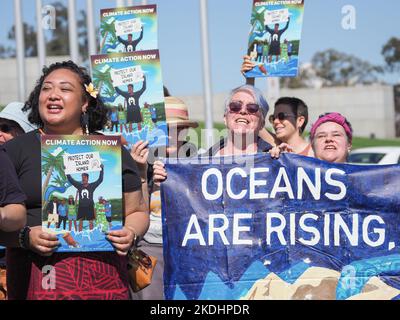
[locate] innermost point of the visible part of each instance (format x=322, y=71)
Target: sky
x=229, y=25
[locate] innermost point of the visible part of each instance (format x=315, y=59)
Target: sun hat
x=13, y=111
x=177, y=113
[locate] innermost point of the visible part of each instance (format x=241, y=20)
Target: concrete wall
x=8, y=76
x=370, y=109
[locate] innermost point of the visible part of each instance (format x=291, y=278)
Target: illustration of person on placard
x=132, y=102
x=85, y=195
x=122, y=118
x=108, y=209
x=275, y=43
x=52, y=213
x=130, y=44
x=289, y=50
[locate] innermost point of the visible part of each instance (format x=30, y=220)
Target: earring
x=85, y=122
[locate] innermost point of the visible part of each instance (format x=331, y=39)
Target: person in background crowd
x=13, y=122
x=12, y=198
x=62, y=103
x=177, y=118
x=12, y=210
x=331, y=137
x=289, y=120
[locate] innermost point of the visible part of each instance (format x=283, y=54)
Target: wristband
x=23, y=238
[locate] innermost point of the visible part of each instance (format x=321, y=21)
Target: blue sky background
x=229, y=24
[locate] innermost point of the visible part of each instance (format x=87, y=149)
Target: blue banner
x=294, y=228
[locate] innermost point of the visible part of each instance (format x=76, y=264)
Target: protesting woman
x=64, y=103
x=289, y=120
x=245, y=112
x=331, y=137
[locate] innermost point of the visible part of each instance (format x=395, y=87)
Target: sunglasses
x=280, y=116
x=5, y=128
x=236, y=107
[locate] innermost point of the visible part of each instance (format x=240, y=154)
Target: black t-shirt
x=85, y=193
x=10, y=191
x=24, y=152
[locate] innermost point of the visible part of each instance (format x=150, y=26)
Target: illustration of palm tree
x=106, y=30
x=257, y=21
x=59, y=181
x=102, y=78
x=51, y=163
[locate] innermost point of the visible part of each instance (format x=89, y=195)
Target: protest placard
x=129, y=29
x=82, y=190
x=130, y=85
x=274, y=39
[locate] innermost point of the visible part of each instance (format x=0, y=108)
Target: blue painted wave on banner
x=288, y=220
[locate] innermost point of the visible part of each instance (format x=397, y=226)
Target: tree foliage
x=57, y=41
x=341, y=69
x=391, y=54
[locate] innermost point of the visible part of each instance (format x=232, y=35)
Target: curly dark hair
x=96, y=110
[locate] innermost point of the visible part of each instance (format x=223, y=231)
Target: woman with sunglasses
x=331, y=137
x=245, y=112
x=63, y=104
x=289, y=120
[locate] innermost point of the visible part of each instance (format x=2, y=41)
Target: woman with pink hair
x=331, y=137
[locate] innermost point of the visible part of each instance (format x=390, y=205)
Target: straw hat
x=13, y=111
x=176, y=112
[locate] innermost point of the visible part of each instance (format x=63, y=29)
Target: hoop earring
x=85, y=122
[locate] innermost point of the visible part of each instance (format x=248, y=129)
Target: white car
x=375, y=155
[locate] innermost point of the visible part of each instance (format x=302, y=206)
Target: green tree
x=341, y=69
x=30, y=41
x=391, y=54
x=57, y=42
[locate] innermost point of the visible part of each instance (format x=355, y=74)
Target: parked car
x=375, y=155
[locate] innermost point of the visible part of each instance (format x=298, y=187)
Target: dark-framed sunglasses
x=236, y=107
x=280, y=116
